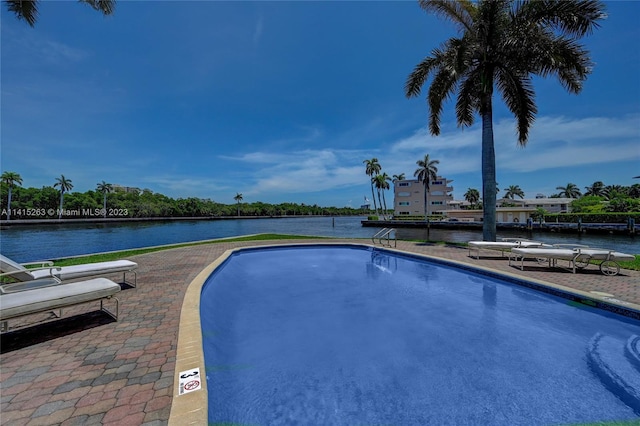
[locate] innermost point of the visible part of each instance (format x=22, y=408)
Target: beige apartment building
x=408, y=196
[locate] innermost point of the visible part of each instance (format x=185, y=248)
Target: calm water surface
x=29, y=243
x=352, y=336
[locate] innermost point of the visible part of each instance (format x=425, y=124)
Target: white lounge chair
x=46, y=270
x=578, y=257
x=44, y=295
x=506, y=245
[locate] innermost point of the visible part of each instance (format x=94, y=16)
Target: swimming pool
x=355, y=335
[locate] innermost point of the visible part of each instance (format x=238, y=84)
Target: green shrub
x=592, y=217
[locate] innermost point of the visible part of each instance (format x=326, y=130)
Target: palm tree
x=472, y=196
x=10, y=179
x=426, y=173
x=569, y=191
x=513, y=191
x=502, y=45
x=28, y=9
x=381, y=182
x=238, y=198
x=398, y=177
x=105, y=188
x=597, y=188
x=65, y=186
x=372, y=168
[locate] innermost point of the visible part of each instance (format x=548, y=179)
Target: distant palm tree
x=238, y=198
x=502, y=45
x=10, y=179
x=65, y=186
x=398, y=177
x=597, y=189
x=28, y=9
x=472, y=196
x=105, y=188
x=513, y=191
x=381, y=182
x=569, y=191
x=372, y=168
x=426, y=172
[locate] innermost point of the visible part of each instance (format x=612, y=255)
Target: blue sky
x=282, y=102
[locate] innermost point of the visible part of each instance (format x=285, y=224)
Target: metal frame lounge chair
x=506, y=245
x=45, y=295
x=578, y=257
x=19, y=271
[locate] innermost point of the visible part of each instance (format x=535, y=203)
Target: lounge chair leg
x=135, y=278
x=4, y=326
x=108, y=312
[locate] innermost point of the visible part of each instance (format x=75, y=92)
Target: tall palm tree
x=28, y=9
x=513, y=191
x=10, y=179
x=597, y=188
x=502, y=45
x=472, y=196
x=372, y=168
x=398, y=177
x=569, y=191
x=105, y=188
x=238, y=198
x=381, y=182
x=426, y=172
x=65, y=186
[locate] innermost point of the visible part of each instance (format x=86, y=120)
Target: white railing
x=385, y=233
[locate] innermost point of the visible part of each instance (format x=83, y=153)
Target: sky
x=282, y=101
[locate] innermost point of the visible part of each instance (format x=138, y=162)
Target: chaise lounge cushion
x=86, y=270
x=27, y=302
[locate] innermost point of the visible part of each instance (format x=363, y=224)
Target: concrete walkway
x=87, y=369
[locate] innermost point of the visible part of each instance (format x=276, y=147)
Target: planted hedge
x=592, y=217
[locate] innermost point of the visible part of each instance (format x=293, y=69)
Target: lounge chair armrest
x=52, y=270
x=570, y=246
x=28, y=285
x=42, y=264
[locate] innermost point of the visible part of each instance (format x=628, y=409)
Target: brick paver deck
x=87, y=369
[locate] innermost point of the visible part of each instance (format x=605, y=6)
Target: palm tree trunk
x=426, y=213
x=488, y=175
x=9, y=204
x=373, y=197
x=380, y=202
x=384, y=200
x=61, y=202
x=104, y=206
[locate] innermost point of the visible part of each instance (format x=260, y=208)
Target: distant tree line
x=106, y=201
x=597, y=198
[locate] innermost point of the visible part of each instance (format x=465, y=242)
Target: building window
x=404, y=203
x=436, y=203
x=404, y=184
x=404, y=194
x=437, y=182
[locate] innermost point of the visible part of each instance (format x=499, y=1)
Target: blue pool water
x=351, y=335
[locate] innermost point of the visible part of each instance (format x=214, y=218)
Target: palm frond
x=570, y=17
x=461, y=12
x=519, y=96
x=420, y=74
x=24, y=9
x=105, y=6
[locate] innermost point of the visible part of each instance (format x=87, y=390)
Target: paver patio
x=87, y=369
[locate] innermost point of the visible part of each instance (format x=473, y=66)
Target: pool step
x=608, y=358
x=632, y=351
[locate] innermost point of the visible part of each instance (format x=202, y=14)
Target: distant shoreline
x=23, y=222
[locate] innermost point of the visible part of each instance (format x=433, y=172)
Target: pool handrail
x=385, y=233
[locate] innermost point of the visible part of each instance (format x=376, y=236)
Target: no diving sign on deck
x=189, y=381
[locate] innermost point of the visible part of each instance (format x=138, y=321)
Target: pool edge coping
x=192, y=408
